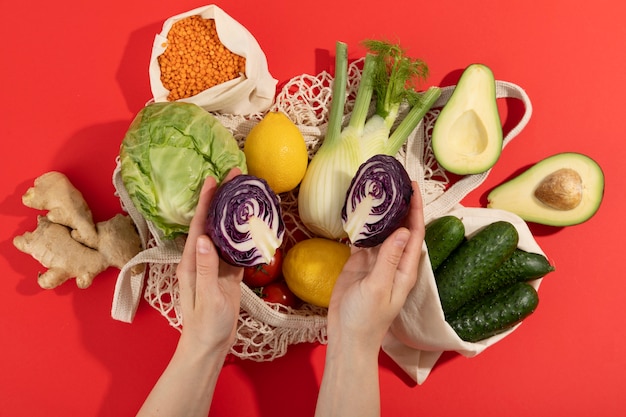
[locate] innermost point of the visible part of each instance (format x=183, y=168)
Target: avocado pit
x=561, y=190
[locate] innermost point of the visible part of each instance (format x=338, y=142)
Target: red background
x=75, y=73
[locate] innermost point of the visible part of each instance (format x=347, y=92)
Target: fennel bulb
x=388, y=73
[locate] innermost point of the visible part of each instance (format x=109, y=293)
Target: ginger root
x=54, y=192
x=67, y=241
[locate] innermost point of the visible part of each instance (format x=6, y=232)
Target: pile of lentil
x=195, y=59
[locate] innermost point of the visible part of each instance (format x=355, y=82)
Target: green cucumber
x=521, y=266
x=494, y=313
x=442, y=237
x=459, y=276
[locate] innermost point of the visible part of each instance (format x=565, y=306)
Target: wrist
x=356, y=343
x=348, y=350
x=204, y=345
x=186, y=386
x=350, y=385
x=200, y=355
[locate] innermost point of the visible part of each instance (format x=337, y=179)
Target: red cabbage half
x=377, y=201
x=245, y=221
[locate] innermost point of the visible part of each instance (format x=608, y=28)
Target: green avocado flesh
x=562, y=190
x=467, y=137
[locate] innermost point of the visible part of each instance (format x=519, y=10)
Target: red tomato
x=260, y=275
x=279, y=292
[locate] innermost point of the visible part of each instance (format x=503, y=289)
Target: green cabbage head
x=168, y=151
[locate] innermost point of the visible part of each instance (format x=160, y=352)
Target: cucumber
x=521, y=266
x=494, y=313
x=442, y=236
x=459, y=276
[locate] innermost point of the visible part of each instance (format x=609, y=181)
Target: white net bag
x=264, y=330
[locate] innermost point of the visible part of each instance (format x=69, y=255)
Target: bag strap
x=130, y=280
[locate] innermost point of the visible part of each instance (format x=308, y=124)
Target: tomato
x=260, y=275
x=279, y=292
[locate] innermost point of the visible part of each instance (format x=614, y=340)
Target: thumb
x=390, y=255
x=207, y=265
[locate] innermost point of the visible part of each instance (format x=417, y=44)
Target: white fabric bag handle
x=130, y=280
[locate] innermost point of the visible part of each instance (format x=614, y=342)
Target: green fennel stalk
x=389, y=76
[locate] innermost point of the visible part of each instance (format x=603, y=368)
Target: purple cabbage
x=377, y=201
x=245, y=221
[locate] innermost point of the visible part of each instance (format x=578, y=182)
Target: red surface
x=73, y=76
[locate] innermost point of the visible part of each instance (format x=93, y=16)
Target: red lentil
x=195, y=59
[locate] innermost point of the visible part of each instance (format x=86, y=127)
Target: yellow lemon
x=276, y=151
x=311, y=268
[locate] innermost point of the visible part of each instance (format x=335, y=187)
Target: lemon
x=311, y=268
x=276, y=151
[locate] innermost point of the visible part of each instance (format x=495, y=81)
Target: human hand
x=209, y=288
x=210, y=295
x=375, y=282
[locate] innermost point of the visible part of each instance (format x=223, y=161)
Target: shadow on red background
x=137, y=55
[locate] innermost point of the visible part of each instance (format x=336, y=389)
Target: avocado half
x=467, y=137
x=562, y=190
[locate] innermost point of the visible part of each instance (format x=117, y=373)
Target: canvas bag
x=419, y=335
x=416, y=344
x=252, y=92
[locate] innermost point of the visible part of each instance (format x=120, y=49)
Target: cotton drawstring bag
x=252, y=92
x=416, y=344
x=419, y=335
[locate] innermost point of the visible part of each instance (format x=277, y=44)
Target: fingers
x=415, y=223
x=187, y=268
x=214, y=276
x=398, y=259
x=207, y=266
x=225, y=270
x=231, y=174
x=415, y=217
x=409, y=263
x=197, y=225
x=196, y=228
x=389, y=257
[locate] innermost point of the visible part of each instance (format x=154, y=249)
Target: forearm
x=350, y=385
x=186, y=386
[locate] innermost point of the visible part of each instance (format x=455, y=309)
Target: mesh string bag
x=265, y=331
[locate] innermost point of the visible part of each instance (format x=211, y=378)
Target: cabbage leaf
x=167, y=153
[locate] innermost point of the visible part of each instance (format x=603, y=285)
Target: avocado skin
x=467, y=136
x=518, y=194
